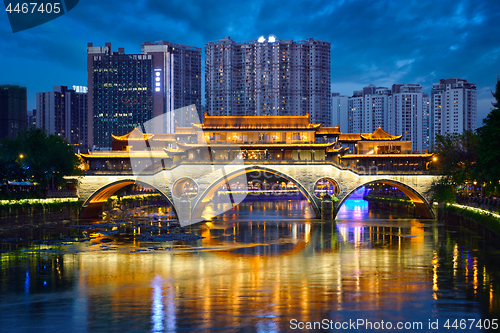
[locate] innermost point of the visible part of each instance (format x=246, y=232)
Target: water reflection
x=257, y=275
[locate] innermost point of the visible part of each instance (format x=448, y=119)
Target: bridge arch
x=200, y=204
x=92, y=206
x=423, y=208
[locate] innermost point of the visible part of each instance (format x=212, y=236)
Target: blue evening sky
x=373, y=42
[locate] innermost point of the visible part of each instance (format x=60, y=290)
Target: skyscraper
x=340, y=115
x=407, y=114
x=13, y=110
x=63, y=112
x=403, y=109
x=268, y=76
x=129, y=89
x=369, y=108
x=453, y=107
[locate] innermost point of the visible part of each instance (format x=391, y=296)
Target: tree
x=456, y=160
x=489, y=148
x=457, y=156
x=10, y=162
x=45, y=158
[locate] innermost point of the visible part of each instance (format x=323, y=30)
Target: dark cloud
x=380, y=42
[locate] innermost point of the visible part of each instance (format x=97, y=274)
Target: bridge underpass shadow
x=269, y=197
x=123, y=198
x=379, y=201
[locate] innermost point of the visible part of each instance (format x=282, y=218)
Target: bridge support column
x=184, y=211
x=327, y=212
x=92, y=210
x=422, y=210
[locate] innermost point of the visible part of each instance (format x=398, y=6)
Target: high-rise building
x=63, y=112
x=340, y=114
x=369, y=108
x=453, y=107
x=268, y=76
x=376, y=106
x=407, y=114
x=355, y=110
x=426, y=122
x=13, y=110
x=403, y=109
x=31, y=119
x=129, y=89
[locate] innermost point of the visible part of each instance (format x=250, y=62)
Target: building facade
x=128, y=89
x=340, y=114
x=407, y=114
x=13, y=110
x=268, y=76
x=403, y=109
x=453, y=104
x=63, y=112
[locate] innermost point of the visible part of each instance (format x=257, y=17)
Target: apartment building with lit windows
x=129, y=89
x=453, y=107
x=401, y=110
x=268, y=76
x=63, y=112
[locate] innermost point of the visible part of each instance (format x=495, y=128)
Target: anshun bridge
x=219, y=153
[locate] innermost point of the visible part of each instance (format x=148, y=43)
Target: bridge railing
x=360, y=170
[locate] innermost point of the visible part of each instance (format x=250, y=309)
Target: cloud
x=379, y=42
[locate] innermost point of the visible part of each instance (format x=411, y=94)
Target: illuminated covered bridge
x=190, y=166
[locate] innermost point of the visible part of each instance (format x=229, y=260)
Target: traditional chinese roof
x=215, y=145
x=352, y=156
x=378, y=135
x=256, y=123
x=328, y=131
x=136, y=135
x=331, y=150
x=125, y=154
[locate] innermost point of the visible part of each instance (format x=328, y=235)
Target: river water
x=260, y=267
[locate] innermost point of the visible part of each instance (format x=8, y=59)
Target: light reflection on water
x=256, y=274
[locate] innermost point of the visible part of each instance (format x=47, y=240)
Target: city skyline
x=381, y=43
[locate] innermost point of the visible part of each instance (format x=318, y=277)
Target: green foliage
x=486, y=220
x=40, y=204
x=42, y=158
x=489, y=148
x=442, y=191
x=457, y=156
x=10, y=162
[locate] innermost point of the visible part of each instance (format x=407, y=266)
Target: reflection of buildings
x=270, y=139
x=348, y=269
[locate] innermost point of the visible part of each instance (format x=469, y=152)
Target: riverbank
x=37, y=206
x=483, y=222
x=68, y=208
